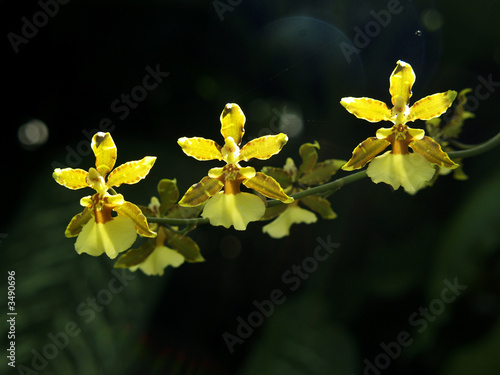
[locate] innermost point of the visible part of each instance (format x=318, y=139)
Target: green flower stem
x=479, y=149
x=329, y=187
x=332, y=186
x=172, y=221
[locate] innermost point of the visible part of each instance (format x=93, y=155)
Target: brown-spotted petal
x=432, y=151
x=232, y=122
x=200, y=192
x=134, y=213
x=105, y=152
x=71, y=178
x=367, y=109
x=200, y=148
x=401, y=81
x=268, y=187
x=431, y=106
x=263, y=147
x=131, y=172
x=365, y=152
x=77, y=222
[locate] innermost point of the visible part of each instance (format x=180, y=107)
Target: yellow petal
x=280, y=227
x=77, y=222
x=267, y=186
x=215, y=172
x=71, y=178
x=365, y=152
x=199, y=193
x=412, y=171
x=200, y=148
x=263, y=147
x=233, y=122
x=134, y=213
x=112, y=237
x=105, y=152
x=131, y=172
x=367, y=109
x=158, y=260
x=431, y=106
x=234, y=210
x=401, y=81
x=247, y=172
x=432, y=151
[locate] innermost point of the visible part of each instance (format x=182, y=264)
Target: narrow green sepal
x=321, y=172
x=319, y=205
x=134, y=257
x=169, y=194
x=186, y=246
x=309, y=156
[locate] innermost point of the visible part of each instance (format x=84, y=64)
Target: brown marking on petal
x=400, y=147
x=232, y=187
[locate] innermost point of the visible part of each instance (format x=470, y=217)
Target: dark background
x=272, y=58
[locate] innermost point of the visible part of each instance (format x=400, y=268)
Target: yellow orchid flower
x=160, y=256
x=295, y=179
x=97, y=230
x=232, y=206
x=398, y=167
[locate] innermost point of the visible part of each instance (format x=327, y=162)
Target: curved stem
x=330, y=187
x=479, y=149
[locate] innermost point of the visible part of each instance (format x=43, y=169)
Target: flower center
x=96, y=181
x=230, y=151
x=102, y=212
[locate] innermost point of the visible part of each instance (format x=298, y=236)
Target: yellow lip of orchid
x=400, y=135
x=231, y=176
x=105, y=233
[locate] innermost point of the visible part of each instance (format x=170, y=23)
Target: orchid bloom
x=400, y=167
x=295, y=179
x=232, y=207
x=97, y=230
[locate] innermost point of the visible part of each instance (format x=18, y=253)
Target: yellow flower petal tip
x=235, y=210
x=280, y=227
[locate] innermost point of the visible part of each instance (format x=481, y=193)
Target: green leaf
x=133, y=257
x=309, y=156
x=184, y=245
x=322, y=172
x=319, y=205
x=169, y=194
